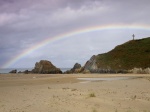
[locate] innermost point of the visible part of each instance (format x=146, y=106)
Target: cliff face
x=132, y=54
x=91, y=64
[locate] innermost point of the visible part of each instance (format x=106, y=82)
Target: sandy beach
x=66, y=93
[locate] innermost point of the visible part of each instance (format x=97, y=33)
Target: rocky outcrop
x=76, y=66
x=79, y=70
x=13, y=71
x=92, y=67
x=25, y=72
x=147, y=70
x=124, y=57
x=45, y=67
x=68, y=72
x=91, y=64
x=140, y=71
x=76, y=69
x=86, y=72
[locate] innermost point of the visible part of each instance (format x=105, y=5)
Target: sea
x=7, y=70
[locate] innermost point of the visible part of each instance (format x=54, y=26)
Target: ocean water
x=7, y=70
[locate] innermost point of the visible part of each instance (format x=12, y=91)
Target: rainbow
x=69, y=35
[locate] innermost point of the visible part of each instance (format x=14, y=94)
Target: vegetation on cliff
x=134, y=53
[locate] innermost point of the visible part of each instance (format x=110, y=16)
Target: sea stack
x=45, y=67
x=77, y=68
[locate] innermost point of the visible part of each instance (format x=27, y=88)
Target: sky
x=26, y=25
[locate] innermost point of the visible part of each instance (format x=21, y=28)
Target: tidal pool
x=106, y=79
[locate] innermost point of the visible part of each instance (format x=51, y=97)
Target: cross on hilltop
x=133, y=36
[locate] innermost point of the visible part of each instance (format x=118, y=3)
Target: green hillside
x=134, y=53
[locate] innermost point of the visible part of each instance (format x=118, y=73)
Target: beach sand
x=65, y=93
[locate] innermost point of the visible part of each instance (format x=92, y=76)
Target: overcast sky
x=25, y=23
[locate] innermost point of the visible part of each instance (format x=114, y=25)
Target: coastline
x=65, y=93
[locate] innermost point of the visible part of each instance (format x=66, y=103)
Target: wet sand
x=66, y=93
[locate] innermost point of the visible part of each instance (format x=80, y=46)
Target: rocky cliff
x=132, y=54
x=45, y=67
x=91, y=64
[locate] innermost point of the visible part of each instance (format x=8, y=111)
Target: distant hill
x=134, y=53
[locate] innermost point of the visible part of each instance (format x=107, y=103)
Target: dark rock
x=45, y=67
x=79, y=70
x=122, y=71
x=76, y=66
x=19, y=72
x=25, y=72
x=76, y=69
x=13, y=71
x=68, y=72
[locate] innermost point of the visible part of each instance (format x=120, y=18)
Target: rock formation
x=13, y=71
x=25, y=72
x=76, y=69
x=86, y=72
x=122, y=58
x=91, y=64
x=140, y=71
x=147, y=70
x=45, y=67
x=92, y=67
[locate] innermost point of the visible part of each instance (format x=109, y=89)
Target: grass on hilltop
x=134, y=53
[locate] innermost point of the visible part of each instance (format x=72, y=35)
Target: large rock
x=77, y=68
x=25, y=72
x=147, y=70
x=140, y=71
x=91, y=65
x=45, y=67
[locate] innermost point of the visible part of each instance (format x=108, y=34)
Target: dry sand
x=65, y=93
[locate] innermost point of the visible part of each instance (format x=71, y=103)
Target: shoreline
x=37, y=79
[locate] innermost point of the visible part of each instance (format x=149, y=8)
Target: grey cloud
x=100, y=14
